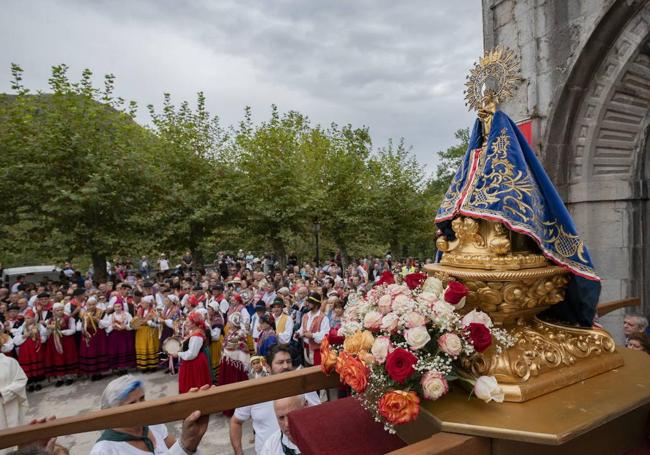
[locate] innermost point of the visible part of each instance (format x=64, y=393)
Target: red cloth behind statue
x=342, y=427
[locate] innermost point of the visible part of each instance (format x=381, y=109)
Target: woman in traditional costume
x=120, y=340
x=216, y=323
x=61, y=358
x=235, y=360
x=147, y=336
x=30, y=341
x=93, y=360
x=267, y=336
x=194, y=370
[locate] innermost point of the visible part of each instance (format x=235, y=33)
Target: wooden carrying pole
x=176, y=407
x=608, y=307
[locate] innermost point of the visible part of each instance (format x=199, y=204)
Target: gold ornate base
x=545, y=357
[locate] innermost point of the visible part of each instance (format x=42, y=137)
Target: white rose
x=389, y=322
x=413, y=319
x=442, y=308
x=417, y=337
x=434, y=385
x=427, y=298
x=478, y=317
x=349, y=328
x=487, y=389
x=433, y=285
x=380, y=348
x=372, y=320
x=385, y=304
x=451, y=344
x=401, y=304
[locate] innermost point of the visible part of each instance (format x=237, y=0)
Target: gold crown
x=493, y=78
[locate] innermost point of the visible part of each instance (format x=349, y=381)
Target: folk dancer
x=147, y=336
x=283, y=322
x=29, y=340
x=171, y=319
x=314, y=327
x=61, y=359
x=93, y=360
x=194, y=369
x=120, y=342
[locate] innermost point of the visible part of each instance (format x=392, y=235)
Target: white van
x=32, y=274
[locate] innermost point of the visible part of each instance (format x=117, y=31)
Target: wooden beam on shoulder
x=176, y=407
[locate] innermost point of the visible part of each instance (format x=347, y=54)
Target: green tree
x=194, y=180
x=402, y=213
x=75, y=179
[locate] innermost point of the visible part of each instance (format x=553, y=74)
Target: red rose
x=415, y=280
x=480, y=336
x=399, y=365
x=455, y=292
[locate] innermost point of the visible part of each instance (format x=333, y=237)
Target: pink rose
x=451, y=344
x=413, y=319
x=372, y=320
x=434, y=385
x=417, y=337
x=380, y=348
x=389, y=323
x=477, y=317
x=385, y=304
x=397, y=289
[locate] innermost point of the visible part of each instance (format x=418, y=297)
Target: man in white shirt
x=163, y=263
x=280, y=442
x=283, y=322
x=263, y=416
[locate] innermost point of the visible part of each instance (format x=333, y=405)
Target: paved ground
x=84, y=396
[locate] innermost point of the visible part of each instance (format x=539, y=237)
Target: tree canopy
x=82, y=179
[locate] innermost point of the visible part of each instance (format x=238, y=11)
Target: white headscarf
x=118, y=389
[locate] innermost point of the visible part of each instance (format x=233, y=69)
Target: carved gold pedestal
x=512, y=282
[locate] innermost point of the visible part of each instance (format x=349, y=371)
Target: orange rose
x=328, y=357
x=352, y=371
x=360, y=341
x=366, y=357
x=399, y=407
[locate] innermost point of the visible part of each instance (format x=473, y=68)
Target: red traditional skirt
x=92, y=354
x=194, y=373
x=231, y=371
x=32, y=359
x=120, y=347
x=61, y=364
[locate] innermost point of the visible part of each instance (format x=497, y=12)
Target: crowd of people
x=240, y=319
x=207, y=326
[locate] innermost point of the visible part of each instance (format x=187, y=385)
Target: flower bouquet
x=401, y=343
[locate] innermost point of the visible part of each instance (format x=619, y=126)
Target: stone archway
x=597, y=148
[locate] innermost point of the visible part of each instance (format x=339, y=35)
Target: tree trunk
x=99, y=268
x=280, y=252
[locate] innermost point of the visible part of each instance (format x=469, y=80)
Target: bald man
x=280, y=442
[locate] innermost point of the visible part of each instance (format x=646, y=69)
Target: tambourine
x=136, y=322
x=172, y=346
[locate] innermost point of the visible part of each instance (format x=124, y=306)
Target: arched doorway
x=597, y=152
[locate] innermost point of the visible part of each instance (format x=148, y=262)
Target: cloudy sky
x=397, y=67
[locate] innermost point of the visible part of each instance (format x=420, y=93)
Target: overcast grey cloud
x=397, y=67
